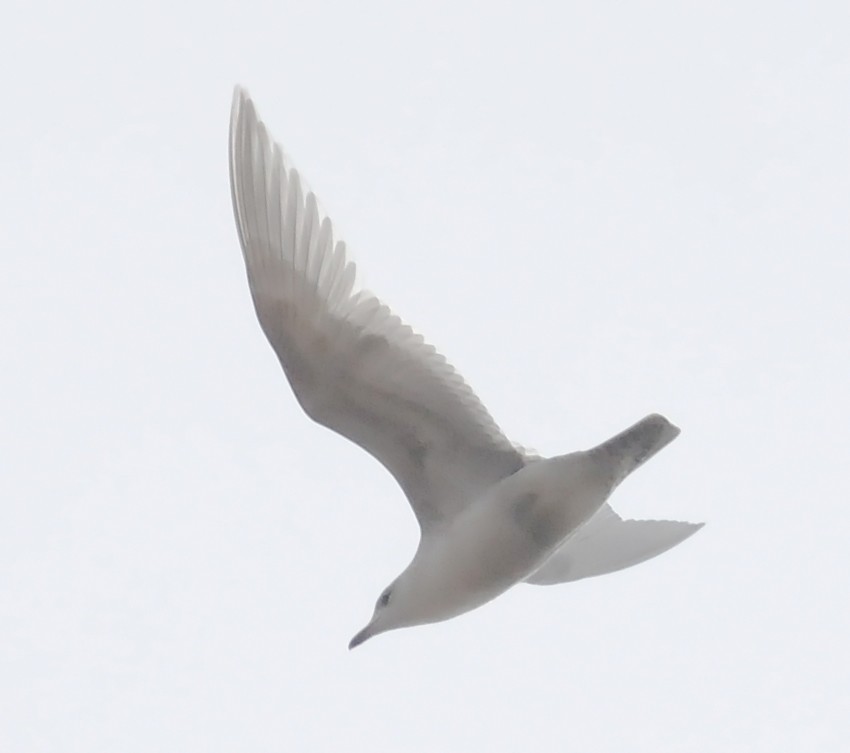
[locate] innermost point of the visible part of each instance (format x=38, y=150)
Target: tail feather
x=631, y=448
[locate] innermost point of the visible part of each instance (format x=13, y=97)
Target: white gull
x=490, y=514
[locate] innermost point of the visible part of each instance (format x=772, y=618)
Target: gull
x=490, y=514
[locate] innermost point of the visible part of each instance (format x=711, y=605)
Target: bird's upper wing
x=607, y=543
x=353, y=365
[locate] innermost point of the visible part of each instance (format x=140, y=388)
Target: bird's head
x=391, y=612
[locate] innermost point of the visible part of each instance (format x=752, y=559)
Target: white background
x=595, y=210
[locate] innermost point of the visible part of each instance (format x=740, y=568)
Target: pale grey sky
x=662, y=189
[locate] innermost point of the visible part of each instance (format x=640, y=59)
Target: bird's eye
x=384, y=598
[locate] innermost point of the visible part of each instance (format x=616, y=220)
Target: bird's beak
x=363, y=635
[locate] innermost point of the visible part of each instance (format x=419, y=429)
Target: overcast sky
x=595, y=212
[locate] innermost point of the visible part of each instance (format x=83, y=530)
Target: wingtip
x=240, y=103
x=240, y=93
x=685, y=525
x=688, y=529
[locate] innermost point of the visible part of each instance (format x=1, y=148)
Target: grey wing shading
x=353, y=365
x=607, y=543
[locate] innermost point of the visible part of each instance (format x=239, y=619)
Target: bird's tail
x=633, y=447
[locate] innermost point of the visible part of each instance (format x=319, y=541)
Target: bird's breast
x=507, y=534
x=494, y=545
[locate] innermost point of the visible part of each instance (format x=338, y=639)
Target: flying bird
x=490, y=514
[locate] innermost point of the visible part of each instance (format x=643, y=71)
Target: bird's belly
x=485, y=555
x=507, y=534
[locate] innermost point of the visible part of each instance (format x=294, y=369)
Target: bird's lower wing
x=607, y=543
x=353, y=365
